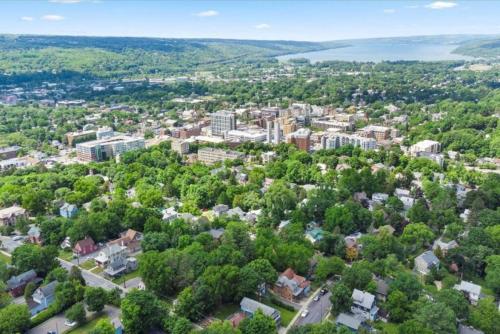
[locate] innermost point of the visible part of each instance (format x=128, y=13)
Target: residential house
x=170, y=214
x=382, y=290
x=68, y=210
x=220, y=209
x=444, y=246
x=43, y=297
x=84, y=247
x=216, y=233
x=470, y=290
x=9, y=216
x=348, y=321
x=363, y=304
x=236, y=212
x=16, y=284
x=250, y=306
x=130, y=239
x=35, y=235
x=314, y=235
x=291, y=286
x=425, y=262
x=66, y=243
x=112, y=253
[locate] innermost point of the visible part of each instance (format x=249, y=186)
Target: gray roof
x=49, y=289
x=363, y=299
x=253, y=305
x=468, y=287
x=468, y=330
x=216, y=233
x=34, y=231
x=382, y=287
x=21, y=279
x=348, y=320
x=429, y=258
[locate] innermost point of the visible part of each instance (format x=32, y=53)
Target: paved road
x=133, y=283
x=90, y=278
x=317, y=311
x=8, y=244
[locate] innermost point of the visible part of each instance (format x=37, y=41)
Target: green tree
x=141, y=312
x=14, y=319
x=278, y=199
x=28, y=290
x=417, y=235
x=339, y=217
x=408, y=284
x=41, y=259
x=438, y=317
x=341, y=298
x=103, y=326
x=485, y=316
x=398, y=306
x=456, y=301
x=95, y=299
x=493, y=272
x=327, y=267
x=258, y=324
x=358, y=276
x=220, y=327
x=76, y=313
x=413, y=327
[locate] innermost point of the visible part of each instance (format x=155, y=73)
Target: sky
x=265, y=19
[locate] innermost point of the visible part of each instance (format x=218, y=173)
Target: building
x=250, y=306
x=73, y=138
x=9, y=152
x=376, y=131
x=314, y=235
x=249, y=135
x=363, y=304
x=325, y=123
x=180, y=146
x=291, y=286
x=382, y=289
x=68, y=210
x=425, y=262
x=107, y=148
x=9, y=216
x=14, y=163
x=470, y=290
x=337, y=140
x=301, y=139
x=104, y=132
x=221, y=122
x=444, y=246
x=84, y=247
x=35, y=235
x=210, y=155
x=348, y=321
x=130, y=239
x=43, y=297
x=429, y=146
x=16, y=284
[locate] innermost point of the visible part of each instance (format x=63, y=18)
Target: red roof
x=82, y=244
x=291, y=275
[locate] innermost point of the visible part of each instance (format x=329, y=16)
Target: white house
x=471, y=291
x=363, y=304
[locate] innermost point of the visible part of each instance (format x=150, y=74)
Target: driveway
x=90, y=278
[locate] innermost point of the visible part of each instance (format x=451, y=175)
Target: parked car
x=317, y=297
x=323, y=292
x=304, y=313
x=70, y=323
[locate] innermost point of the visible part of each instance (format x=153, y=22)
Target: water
x=383, y=50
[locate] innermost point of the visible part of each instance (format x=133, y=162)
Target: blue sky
x=291, y=20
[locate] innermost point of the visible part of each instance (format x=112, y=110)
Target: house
x=16, y=284
x=35, y=235
x=9, y=216
x=380, y=198
x=471, y=291
x=236, y=212
x=363, y=304
x=68, y=210
x=216, y=233
x=220, y=209
x=66, y=243
x=112, y=254
x=444, y=246
x=382, y=290
x=283, y=224
x=348, y=321
x=130, y=239
x=314, y=235
x=291, y=286
x=250, y=306
x=170, y=214
x=425, y=262
x=84, y=247
x=462, y=329
x=121, y=265
x=351, y=241
x=43, y=297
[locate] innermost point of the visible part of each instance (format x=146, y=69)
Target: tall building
x=301, y=139
x=210, y=155
x=269, y=131
x=341, y=139
x=376, y=131
x=221, y=122
x=107, y=148
x=277, y=132
x=428, y=146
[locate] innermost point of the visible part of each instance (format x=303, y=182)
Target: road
x=8, y=244
x=56, y=323
x=90, y=278
x=317, y=311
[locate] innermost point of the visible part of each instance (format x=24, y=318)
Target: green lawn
x=97, y=270
x=5, y=258
x=126, y=277
x=387, y=328
x=89, y=264
x=66, y=255
x=286, y=315
x=87, y=327
x=226, y=310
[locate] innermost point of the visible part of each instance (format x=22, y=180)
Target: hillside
x=489, y=49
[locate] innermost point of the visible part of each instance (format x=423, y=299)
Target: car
x=51, y=332
x=17, y=238
x=323, y=292
x=70, y=323
x=317, y=297
x=304, y=313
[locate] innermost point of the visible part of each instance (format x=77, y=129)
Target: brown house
x=291, y=286
x=84, y=247
x=130, y=239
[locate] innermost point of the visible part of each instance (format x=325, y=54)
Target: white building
x=341, y=139
x=471, y=291
x=429, y=146
x=106, y=148
x=221, y=122
x=250, y=135
x=210, y=155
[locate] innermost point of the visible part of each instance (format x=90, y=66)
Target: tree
x=141, y=312
x=485, y=316
x=417, y=235
x=57, y=274
x=341, y=298
x=398, y=306
x=438, y=317
x=41, y=259
x=95, y=298
x=103, y=326
x=413, y=327
x=220, y=327
x=456, y=301
x=14, y=319
x=328, y=267
x=278, y=199
x=76, y=313
x=419, y=212
x=28, y=290
x=187, y=306
x=75, y=274
x=408, y=284
x=358, y=276
x=339, y=217
x=493, y=272
x=68, y=293
x=258, y=324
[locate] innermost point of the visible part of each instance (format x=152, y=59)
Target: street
x=317, y=311
x=92, y=279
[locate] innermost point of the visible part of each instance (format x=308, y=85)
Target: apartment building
x=210, y=155
x=180, y=146
x=107, y=148
x=221, y=122
x=327, y=123
x=73, y=138
x=341, y=139
x=249, y=135
x=301, y=139
x=428, y=146
x=376, y=131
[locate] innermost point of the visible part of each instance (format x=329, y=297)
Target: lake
x=380, y=51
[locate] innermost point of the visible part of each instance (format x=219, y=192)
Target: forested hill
x=129, y=56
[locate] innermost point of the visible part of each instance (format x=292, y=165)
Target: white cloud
x=65, y=1
x=389, y=10
x=207, y=13
x=27, y=18
x=52, y=17
x=441, y=5
x=263, y=26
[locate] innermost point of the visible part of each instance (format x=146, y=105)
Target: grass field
x=89, y=264
x=226, y=310
x=126, y=277
x=87, y=327
x=66, y=255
